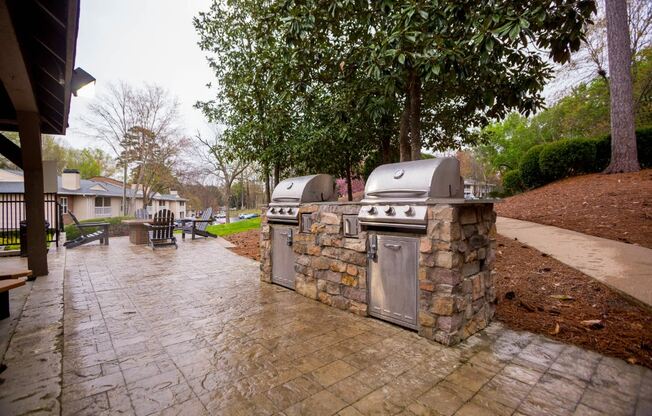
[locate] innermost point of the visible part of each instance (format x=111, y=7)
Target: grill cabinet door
x=393, y=280
x=282, y=257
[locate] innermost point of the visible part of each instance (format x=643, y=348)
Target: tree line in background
x=150, y=153
x=325, y=86
x=585, y=111
x=90, y=162
x=142, y=127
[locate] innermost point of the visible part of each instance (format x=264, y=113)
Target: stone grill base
x=457, y=252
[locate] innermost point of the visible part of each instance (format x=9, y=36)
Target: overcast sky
x=141, y=41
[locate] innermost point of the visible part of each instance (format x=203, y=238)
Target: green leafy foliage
x=512, y=182
x=531, y=175
x=602, y=153
x=565, y=158
x=319, y=86
x=582, y=113
x=552, y=161
x=116, y=228
x=90, y=161
x=643, y=147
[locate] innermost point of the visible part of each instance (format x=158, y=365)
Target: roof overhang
x=38, y=42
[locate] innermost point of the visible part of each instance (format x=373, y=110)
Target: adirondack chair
x=160, y=230
x=100, y=232
x=141, y=214
x=198, y=226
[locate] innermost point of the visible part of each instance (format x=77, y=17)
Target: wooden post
x=29, y=126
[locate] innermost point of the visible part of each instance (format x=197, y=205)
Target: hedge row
x=545, y=163
x=116, y=228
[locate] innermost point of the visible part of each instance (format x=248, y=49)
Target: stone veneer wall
x=456, y=284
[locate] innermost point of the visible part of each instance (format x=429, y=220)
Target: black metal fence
x=12, y=212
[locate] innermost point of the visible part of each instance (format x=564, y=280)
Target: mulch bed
x=539, y=294
x=246, y=243
x=617, y=207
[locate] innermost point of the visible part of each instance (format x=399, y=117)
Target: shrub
x=565, y=158
x=602, y=153
x=512, y=183
x=644, y=147
x=116, y=228
x=530, y=173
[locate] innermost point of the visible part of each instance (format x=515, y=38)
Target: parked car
x=247, y=216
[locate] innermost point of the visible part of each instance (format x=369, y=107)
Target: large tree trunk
x=404, y=133
x=277, y=174
x=415, y=115
x=624, y=157
x=268, y=194
x=385, y=140
x=349, y=182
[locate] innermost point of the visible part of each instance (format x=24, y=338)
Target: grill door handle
x=393, y=246
x=399, y=191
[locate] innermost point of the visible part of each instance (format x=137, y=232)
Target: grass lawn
x=235, y=227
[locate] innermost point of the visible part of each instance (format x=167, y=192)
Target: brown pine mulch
x=539, y=294
x=617, y=207
x=536, y=293
x=246, y=243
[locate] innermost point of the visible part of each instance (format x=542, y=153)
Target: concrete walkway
x=626, y=268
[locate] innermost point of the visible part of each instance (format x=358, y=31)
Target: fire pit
x=413, y=252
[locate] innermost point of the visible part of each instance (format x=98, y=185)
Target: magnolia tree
x=321, y=86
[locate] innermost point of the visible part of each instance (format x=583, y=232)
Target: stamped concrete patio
x=192, y=331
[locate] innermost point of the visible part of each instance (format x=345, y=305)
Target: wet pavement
x=193, y=331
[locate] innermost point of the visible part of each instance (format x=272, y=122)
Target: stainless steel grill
x=396, y=199
x=396, y=195
x=292, y=192
x=283, y=215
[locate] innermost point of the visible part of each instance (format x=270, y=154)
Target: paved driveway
x=192, y=331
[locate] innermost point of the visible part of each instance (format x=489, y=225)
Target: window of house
x=182, y=203
x=102, y=201
x=161, y=203
x=63, y=201
x=102, y=206
x=182, y=214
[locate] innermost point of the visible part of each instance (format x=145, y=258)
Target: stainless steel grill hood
x=292, y=192
x=396, y=194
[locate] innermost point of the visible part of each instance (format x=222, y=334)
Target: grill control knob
x=408, y=210
x=272, y=210
x=371, y=210
x=281, y=211
x=389, y=210
x=289, y=211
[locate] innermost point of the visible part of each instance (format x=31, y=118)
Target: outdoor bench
x=10, y=280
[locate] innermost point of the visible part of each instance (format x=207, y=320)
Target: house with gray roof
x=96, y=197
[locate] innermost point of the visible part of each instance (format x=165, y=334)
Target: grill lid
x=292, y=192
x=415, y=181
x=312, y=188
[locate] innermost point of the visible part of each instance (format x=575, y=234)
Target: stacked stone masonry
x=457, y=252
